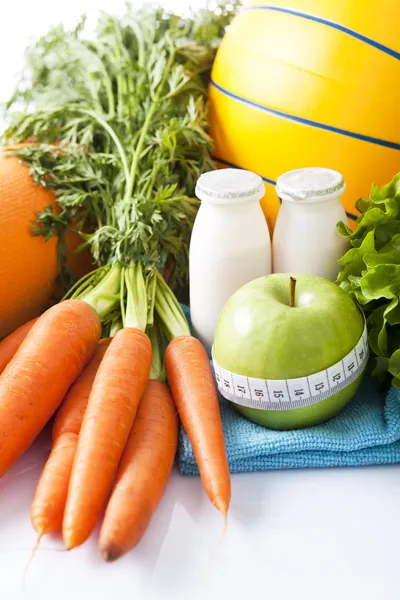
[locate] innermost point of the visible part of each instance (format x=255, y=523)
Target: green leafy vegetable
x=121, y=124
x=371, y=274
x=118, y=124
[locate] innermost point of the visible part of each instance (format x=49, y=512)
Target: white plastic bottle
x=305, y=238
x=230, y=244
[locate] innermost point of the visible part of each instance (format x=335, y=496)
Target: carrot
x=193, y=388
x=143, y=473
x=70, y=415
x=35, y=381
x=12, y=342
x=116, y=392
x=51, y=493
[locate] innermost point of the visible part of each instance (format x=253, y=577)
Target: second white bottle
x=230, y=244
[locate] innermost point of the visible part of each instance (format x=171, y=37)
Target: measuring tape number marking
x=287, y=394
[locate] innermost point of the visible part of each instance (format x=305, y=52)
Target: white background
x=315, y=535
x=330, y=534
x=21, y=21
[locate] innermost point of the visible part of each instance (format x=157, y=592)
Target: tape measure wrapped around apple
x=290, y=352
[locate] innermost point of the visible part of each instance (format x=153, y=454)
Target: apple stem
x=292, y=291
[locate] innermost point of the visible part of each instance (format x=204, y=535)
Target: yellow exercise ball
x=310, y=83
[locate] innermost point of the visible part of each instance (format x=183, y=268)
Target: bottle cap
x=230, y=186
x=313, y=183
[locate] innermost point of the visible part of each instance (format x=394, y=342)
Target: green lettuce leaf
x=394, y=367
x=382, y=281
x=371, y=274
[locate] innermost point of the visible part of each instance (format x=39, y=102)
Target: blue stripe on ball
x=351, y=32
x=302, y=121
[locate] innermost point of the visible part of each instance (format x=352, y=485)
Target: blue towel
x=366, y=432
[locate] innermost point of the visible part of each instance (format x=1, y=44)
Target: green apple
x=259, y=334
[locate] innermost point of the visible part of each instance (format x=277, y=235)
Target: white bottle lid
x=310, y=184
x=227, y=186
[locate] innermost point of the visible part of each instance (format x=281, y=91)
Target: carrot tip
x=221, y=505
x=225, y=523
x=38, y=527
x=69, y=546
x=110, y=554
x=36, y=546
x=71, y=541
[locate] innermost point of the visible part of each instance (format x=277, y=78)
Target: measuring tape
x=287, y=394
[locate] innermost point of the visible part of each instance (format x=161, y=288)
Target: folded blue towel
x=366, y=432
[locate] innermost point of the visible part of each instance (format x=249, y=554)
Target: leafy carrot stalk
x=51, y=493
x=12, y=342
x=34, y=383
x=195, y=394
x=118, y=386
x=143, y=473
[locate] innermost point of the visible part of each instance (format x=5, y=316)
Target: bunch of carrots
x=117, y=128
x=115, y=431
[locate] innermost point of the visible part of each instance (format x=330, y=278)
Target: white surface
x=311, y=534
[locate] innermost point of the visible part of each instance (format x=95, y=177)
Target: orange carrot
x=70, y=415
x=193, y=388
x=51, y=493
x=143, y=473
x=34, y=383
x=116, y=392
x=12, y=342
